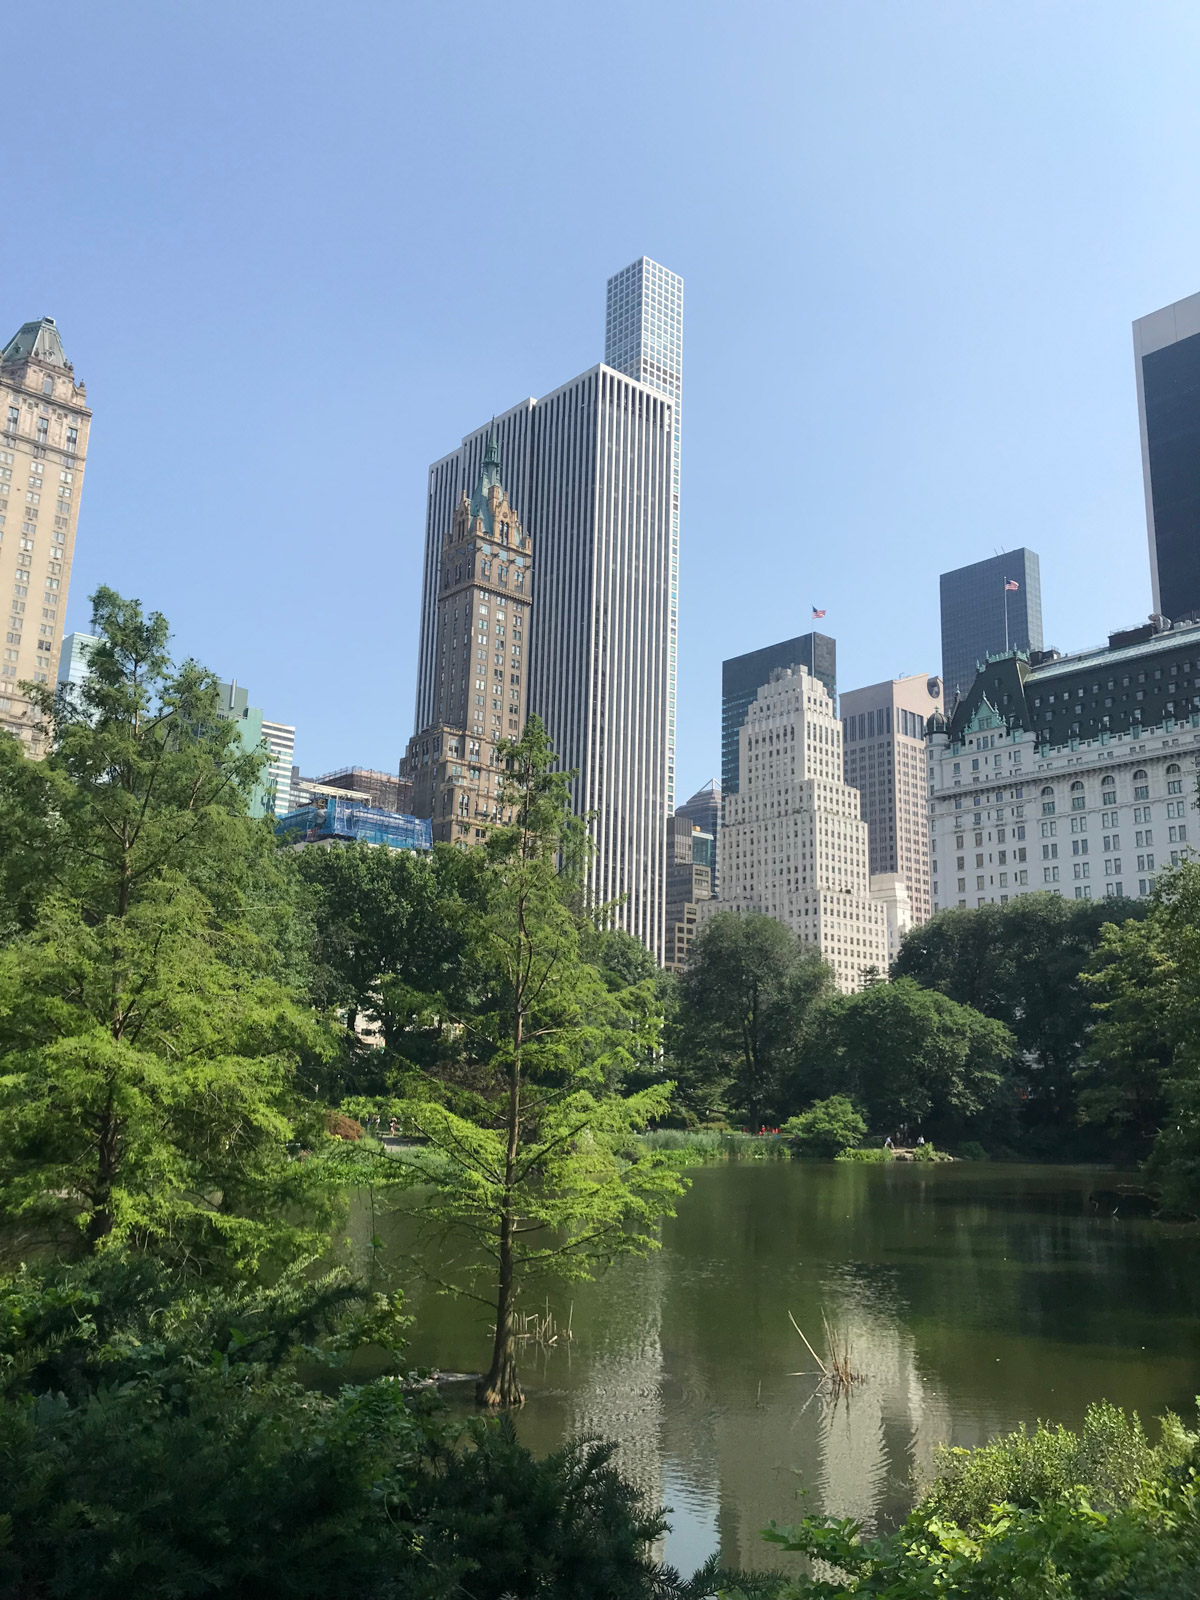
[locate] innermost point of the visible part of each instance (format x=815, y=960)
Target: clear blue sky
x=296, y=250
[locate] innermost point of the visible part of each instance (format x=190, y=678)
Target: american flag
x=817, y=613
x=1011, y=585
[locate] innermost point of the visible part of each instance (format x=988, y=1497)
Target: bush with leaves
x=1047, y=1515
x=827, y=1128
x=158, y=1444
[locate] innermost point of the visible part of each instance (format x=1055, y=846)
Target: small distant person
x=392, y=1127
x=920, y=1140
x=887, y=1143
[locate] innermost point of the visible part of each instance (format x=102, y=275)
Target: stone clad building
x=883, y=736
x=1073, y=774
x=43, y=449
x=794, y=845
x=479, y=688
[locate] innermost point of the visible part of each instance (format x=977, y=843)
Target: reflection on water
x=973, y=1297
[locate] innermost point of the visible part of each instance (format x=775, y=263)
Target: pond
x=973, y=1297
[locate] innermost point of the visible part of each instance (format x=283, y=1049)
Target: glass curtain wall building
x=743, y=676
x=981, y=617
x=643, y=338
x=589, y=473
x=1167, y=354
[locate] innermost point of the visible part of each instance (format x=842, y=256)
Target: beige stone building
x=485, y=585
x=883, y=736
x=44, y=419
x=793, y=845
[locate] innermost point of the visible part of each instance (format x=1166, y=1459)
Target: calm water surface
x=974, y=1296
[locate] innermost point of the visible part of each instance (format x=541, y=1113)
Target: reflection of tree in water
x=973, y=1299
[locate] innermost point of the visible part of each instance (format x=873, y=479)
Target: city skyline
x=885, y=396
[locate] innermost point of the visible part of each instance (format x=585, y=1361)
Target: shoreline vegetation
x=196, y=1018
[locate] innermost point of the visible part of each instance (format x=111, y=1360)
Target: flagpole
x=1006, y=616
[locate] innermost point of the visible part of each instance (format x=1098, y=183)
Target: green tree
x=389, y=954
x=744, y=999
x=159, y=1444
x=149, y=1040
x=827, y=1128
x=1022, y=964
x=1142, y=1071
x=910, y=1058
x=539, y=1171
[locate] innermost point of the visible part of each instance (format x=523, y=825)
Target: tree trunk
x=500, y=1387
x=100, y=1223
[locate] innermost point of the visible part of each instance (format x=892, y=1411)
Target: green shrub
x=870, y=1154
x=1045, y=1515
x=971, y=1150
x=928, y=1152
x=826, y=1128
x=1108, y=1458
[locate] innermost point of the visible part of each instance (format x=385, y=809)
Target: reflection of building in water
x=784, y=1452
x=621, y=1396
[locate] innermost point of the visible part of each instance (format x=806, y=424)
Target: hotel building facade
x=1069, y=774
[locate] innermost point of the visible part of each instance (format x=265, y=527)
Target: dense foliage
x=151, y=1028
x=1051, y=1515
x=827, y=1128
x=1023, y=964
x=744, y=998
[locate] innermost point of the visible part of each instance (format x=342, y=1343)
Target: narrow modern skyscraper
x=643, y=338
x=793, y=845
x=988, y=609
x=1167, y=355
x=482, y=680
x=883, y=740
x=43, y=450
x=743, y=676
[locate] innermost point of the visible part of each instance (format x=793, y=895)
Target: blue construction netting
x=351, y=820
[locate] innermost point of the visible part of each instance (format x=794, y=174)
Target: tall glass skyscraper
x=591, y=472
x=643, y=338
x=1167, y=350
x=983, y=617
x=743, y=676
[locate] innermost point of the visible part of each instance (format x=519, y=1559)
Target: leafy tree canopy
x=148, y=1033
x=910, y=1058
x=744, y=999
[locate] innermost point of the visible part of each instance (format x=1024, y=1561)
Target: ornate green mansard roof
x=39, y=340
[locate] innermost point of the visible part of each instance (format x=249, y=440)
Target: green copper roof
x=37, y=339
x=489, y=479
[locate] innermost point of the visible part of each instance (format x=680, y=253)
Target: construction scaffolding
x=331, y=820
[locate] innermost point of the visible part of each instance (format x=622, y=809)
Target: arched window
x=1047, y=791
x=1077, y=785
x=1047, y=801
x=1172, y=768
x=1141, y=786
x=1078, y=798
x=1175, y=782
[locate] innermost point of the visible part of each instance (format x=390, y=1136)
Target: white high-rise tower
x=591, y=474
x=793, y=845
x=643, y=338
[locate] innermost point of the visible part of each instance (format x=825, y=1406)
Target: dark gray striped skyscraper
x=589, y=472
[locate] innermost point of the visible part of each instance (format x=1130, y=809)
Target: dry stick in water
x=807, y=1346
